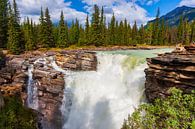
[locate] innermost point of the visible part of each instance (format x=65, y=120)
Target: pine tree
x=49, y=30
x=192, y=35
x=186, y=33
x=134, y=33
x=95, y=27
x=180, y=31
x=102, y=26
x=112, y=31
x=42, y=26
x=15, y=39
x=3, y=23
x=141, y=35
x=29, y=35
x=62, y=33
x=125, y=32
x=87, y=31
x=155, y=31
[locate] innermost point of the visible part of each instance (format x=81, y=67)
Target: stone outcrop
x=175, y=69
x=49, y=82
x=50, y=88
x=77, y=61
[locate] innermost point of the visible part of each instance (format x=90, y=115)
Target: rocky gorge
x=33, y=78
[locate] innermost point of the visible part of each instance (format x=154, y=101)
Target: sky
x=139, y=10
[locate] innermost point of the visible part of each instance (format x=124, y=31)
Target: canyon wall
x=175, y=69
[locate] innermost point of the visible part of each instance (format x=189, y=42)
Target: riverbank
x=107, y=48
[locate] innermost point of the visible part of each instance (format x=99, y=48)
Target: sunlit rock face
x=77, y=61
x=46, y=84
x=175, y=69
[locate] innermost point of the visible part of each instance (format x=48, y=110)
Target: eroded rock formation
x=175, y=69
x=77, y=61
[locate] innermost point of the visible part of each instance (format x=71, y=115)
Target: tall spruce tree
x=87, y=31
x=155, y=31
x=192, y=34
x=180, y=31
x=3, y=23
x=49, y=30
x=95, y=27
x=112, y=30
x=134, y=33
x=62, y=33
x=15, y=36
x=29, y=35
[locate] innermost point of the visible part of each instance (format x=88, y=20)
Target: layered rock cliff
x=175, y=69
x=50, y=83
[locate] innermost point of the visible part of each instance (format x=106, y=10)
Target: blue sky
x=139, y=10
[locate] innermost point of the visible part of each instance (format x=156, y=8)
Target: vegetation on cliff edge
x=14, y=116
x=175, y=112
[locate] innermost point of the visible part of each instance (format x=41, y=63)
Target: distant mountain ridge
x=172, y=18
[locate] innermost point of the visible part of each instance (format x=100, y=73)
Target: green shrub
x=175, y=112
x=15, y=116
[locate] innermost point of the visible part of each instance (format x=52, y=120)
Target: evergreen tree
x=112, y=31
x=62, y=33
x=15, y=41
x=95, y=27
x=87, y=31
x=41, y=35
x=102, y=26
x=3, y=23
x=29, y=35
x=141, y=35
x=180, y=31
x=74, y=32
x=192, y=35
x=134, y=33
x=125, y=32
x=155, y=31
x=49, y=30
x=186, y=33
x=82, y=40
x=120, y=34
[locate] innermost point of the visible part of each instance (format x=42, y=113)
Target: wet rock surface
x=175, y=69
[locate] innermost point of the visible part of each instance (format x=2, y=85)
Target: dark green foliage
x=15, y=116
x=30, y=36
x=62, y=33
x=175, y=112
x=74, y=32
x=3, y=23
x=112, y=30
x=95, y=27
x=46, y=39
x=15, y=35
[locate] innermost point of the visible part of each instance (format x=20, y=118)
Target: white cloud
x=128, y=9
x=122, y=9
x=31, y=8
x=187, y=3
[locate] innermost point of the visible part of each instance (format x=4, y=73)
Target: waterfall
x=101, y=99
x=32, y=99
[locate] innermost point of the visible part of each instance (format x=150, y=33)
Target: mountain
x=172, y=18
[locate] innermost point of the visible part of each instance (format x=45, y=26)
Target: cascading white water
x=102, y=99
x=32, y=99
